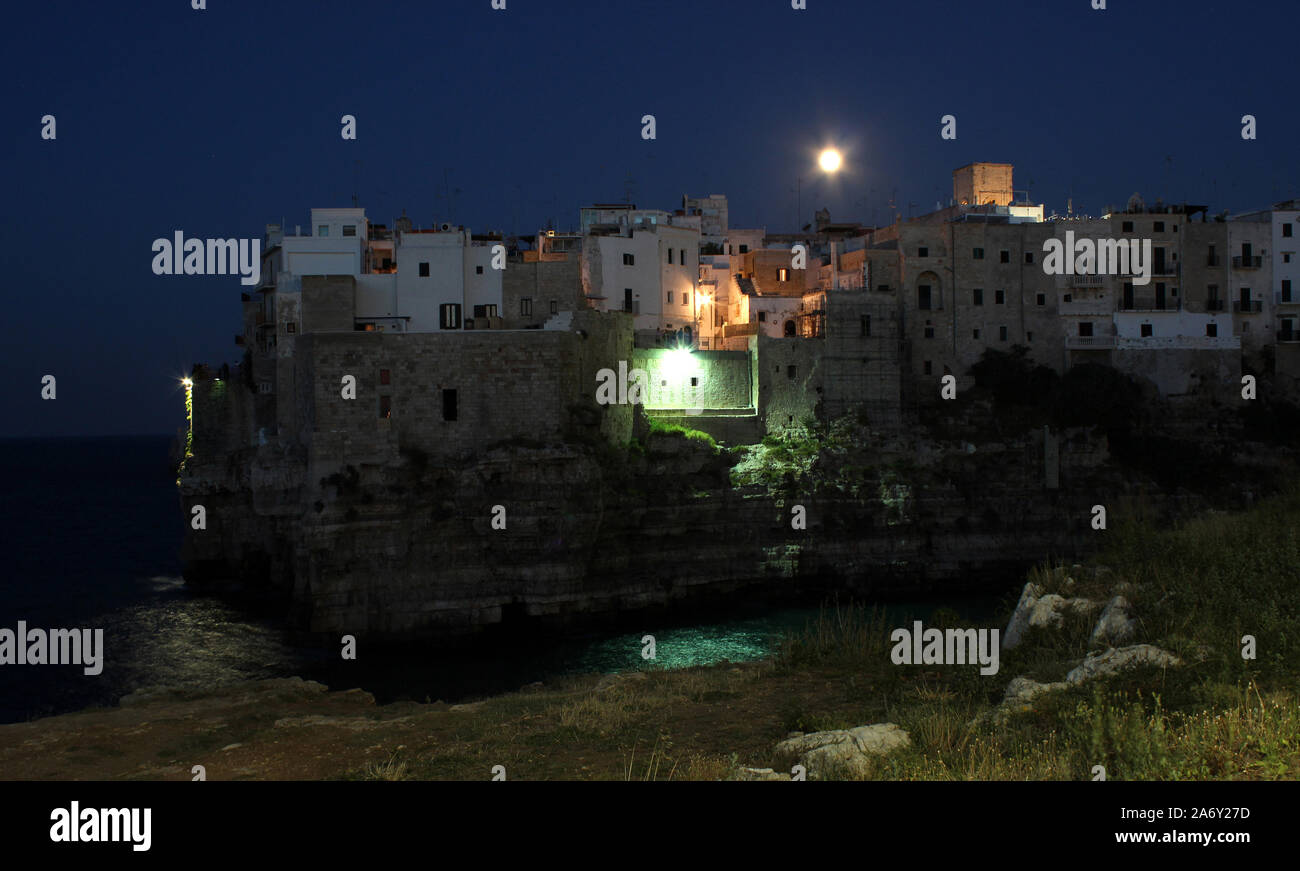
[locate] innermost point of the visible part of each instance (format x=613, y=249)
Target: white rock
x=1022, y=689
x=1117, y=659
x=1116, y=625
x=846, y=751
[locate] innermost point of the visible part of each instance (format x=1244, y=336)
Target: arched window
x=789, y=329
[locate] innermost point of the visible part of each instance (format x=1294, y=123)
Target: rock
x=759, y=774
x=1022, y=689
x=1019, y=621
x=1116, y=625
x=846, y=751
x=1042, y=611
x=1119, y=659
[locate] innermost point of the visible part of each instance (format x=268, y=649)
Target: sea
x=90, y=535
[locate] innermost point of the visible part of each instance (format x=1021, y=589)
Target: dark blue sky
x=216, y=122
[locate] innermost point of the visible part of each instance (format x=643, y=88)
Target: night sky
x=217, y=122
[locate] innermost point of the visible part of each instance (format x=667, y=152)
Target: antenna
x=356, y=183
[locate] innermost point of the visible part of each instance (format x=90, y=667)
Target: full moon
x=829, y=160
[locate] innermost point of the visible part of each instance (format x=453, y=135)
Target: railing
x=1088, y=281
x=1288, y=335
x=1211, y=260
x=1165, y=269
x=1089, y=341
x=1146, y=304
x=1240, y=262
x=1254, y=306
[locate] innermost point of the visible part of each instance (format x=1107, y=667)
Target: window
x=385, y=406
x=478, y=270
x=977, y=296
x=1085, y=328
x=1042, y=299
x=349, y=229
x=927, y=367
x=629, y=260
x=1029, y=258
x=762, y=316
x=1126, y=227
x=1002, y=334
x=789, y=371
x=783, y=274
x=1069, y=297
x=449, y=404
x=682, y=257
x=1000, y=297
x=1286, y=258
x=1286, y=290
x=291, y=327
x=686, y=297
x=670, y=297
x=1158, y=227
x=450, y=316
x=526, y=306
x=744, y=249
x=485, y=311
x=555, y=307
x=929, y=332
x=922, y=252
x=977, y=253
x=1029, y=336
x=1004, y=256
x=974, y=334
x=384, y=376
x=323, y=230
x=923, y=297
x=695, y=382
x=866, y=325
x=882, y=288
x=424, y=270
x=1145, y=330
x=670, y=257
x=1286, y=231
x=1211, y=330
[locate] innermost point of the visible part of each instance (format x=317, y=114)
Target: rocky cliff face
x=399, y=547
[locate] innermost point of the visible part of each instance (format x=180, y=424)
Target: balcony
x=1087, y=281
x=1288, y=336
x=1147, y=304
x=1164, y=270
x=1090, y=343
x=1240, y=262
x=1251, y=307
x=1211, y=260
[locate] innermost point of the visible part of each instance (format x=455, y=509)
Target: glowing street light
x=830, y=160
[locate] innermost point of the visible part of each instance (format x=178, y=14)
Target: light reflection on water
x=173, y=638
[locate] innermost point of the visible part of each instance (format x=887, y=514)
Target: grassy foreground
x=1197, y=591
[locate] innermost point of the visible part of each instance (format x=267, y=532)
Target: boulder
x=845, y=751
x=1045, y=611
x=1116, y=625
x=1022, y=689
x=1117, y=659
x=758, y=774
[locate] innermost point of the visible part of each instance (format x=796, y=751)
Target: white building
x=410, y=280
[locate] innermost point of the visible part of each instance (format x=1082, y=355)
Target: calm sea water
x=91, y=531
